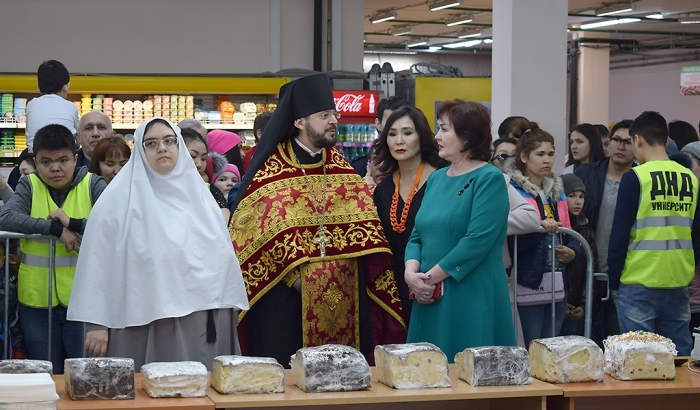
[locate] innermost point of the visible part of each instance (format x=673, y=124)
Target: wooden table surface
x=686, y=382
x=141, y=401
x=380, y=393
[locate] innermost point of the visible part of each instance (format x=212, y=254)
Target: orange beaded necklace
x=397, y=226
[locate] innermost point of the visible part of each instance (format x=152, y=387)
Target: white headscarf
x=154, y=247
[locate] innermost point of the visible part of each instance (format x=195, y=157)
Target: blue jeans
x=67, y=337
x=662, y=311
x=537, y=320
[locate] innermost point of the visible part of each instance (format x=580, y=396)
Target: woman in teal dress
x=457, y=241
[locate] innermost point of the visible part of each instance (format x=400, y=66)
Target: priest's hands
x=297, y=285
x=96, y=342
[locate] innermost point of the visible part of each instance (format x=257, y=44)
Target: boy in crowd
x=56, y=200
x=51, y=107
x=575, y=276
x=655, y=238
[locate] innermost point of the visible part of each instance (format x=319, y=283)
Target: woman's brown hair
x=111, y=147
x=472, y=124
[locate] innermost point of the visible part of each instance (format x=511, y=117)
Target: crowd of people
x=184, y=248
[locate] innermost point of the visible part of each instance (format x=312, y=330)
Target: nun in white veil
x=157, y=278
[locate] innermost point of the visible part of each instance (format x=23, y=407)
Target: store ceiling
x=649, y=35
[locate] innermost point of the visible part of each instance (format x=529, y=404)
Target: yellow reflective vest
x=660, y=251
x=32, y=281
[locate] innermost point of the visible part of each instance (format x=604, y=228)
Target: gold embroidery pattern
x=386, y=282
x=330, y=303
x=332, y=296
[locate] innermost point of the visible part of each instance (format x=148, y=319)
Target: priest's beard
x=320, y=139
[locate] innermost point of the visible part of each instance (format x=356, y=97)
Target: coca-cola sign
x=356, y=103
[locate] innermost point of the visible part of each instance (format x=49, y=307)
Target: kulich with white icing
x=566, y=359
x=640, y=356
x=330, y=368
x=494, y=366
x=243, y=375
x=105, y=378
x=174, y=379
x=412, y=366
x=14, y=366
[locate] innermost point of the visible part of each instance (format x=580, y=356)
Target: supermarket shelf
x=21, y=126
x=115, y=84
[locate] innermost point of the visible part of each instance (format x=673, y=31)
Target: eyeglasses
x=502, y=157
x=325, y=116
x=152, y=144
x=618, y=140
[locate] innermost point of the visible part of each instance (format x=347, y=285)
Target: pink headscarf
x=228, y=168
x=221, y=141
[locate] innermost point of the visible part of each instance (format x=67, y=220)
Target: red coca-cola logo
x=349, y=103
x=356, y=103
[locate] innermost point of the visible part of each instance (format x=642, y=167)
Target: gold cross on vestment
x=322, y=240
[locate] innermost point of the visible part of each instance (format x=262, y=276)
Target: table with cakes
x=637, y=370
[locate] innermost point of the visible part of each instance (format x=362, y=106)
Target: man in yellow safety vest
x=55, y=200
x=655, y=237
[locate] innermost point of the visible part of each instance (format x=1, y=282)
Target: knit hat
x=228, y=168
x=209, y=170
x=221, y=141
x=572, y=183
x=692, y=148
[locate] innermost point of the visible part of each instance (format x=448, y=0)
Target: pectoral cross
x=322, y=240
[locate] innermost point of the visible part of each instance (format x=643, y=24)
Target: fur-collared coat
x=534, y=250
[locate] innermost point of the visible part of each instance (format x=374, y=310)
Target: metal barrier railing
x=590, y=276
x=7, y=236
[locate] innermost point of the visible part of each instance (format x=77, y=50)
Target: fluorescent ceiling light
x=470, y=33
x=433, y=49
x=689, y=18
x=443, y=4
x=656, y=16
x=402, y=30
x=416, y=43
x=459, y=19
x=390, y=52
x=383, y=16
x=605, y=23
x=615, y=9
x=469, y=43
x=488, y=41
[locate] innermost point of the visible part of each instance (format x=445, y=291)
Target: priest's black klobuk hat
x=298, y=99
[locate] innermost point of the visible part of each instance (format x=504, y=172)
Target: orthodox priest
x=314, y=258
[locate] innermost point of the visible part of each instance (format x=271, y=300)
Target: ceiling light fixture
x=605, y=23
x=416, y=43
x=470, y=33
x=616, y=8
x=459, y=19
x=488, y=41
x=383, y=16
x=461, y=44
x=689, y=18
x=655, y=16
x=433, y=49
x=444, y=4
x=390, y=52
x=402, y=30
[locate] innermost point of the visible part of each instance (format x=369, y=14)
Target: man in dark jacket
x=602, y=180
